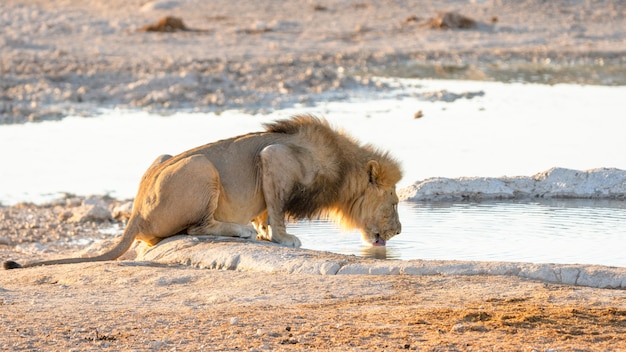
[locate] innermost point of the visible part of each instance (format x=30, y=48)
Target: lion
x=248, y=186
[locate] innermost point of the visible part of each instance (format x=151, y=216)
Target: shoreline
x=316, y=79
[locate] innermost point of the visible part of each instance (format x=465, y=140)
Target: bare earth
x=63, y=57
x=126, y=306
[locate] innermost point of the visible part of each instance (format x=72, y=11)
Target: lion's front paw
x=280, y=237
x=247, y=232
x=290, y=241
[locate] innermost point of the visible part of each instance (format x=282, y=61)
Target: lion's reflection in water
x=376, y=252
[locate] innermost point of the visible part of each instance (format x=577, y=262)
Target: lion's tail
x=127, y=239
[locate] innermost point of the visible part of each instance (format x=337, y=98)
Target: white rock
x=160, y=5
x=553, y=183
x=90, y=213
x=94, y=200
x=263, y=257
x=460, y=327
x=122, y=211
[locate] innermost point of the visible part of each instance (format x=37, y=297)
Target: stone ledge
x=236, y=254
x=603, y=183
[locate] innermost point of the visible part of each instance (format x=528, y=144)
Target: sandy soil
x=64, y=57
x=128, y=306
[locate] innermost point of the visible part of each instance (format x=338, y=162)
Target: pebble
x=460, y=328
x=90, y=212
x=156, y=344
x=122, y=211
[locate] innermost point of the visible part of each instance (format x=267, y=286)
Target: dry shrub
x=166, y=24
x=451, y=20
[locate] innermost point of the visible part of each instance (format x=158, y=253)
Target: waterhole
x=434, y=128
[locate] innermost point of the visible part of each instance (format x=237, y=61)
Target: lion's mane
x=337, y=191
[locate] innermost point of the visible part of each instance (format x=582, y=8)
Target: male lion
x=297, y=168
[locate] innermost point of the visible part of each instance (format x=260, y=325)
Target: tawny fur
x=246, y=186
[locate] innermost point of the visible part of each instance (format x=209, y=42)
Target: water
x=509, y=129
x=568, y=232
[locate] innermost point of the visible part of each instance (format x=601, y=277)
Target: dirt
x=44, y=230
x=138, y=306
x=71, y=57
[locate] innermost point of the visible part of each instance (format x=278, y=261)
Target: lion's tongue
x=379, y=242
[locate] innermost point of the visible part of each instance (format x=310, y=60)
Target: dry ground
x=130, y=306
x=71, y=57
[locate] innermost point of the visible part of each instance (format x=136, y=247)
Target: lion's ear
x=373, y=171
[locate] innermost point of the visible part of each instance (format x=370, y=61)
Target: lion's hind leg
x=219, y=228
x=208, y=224
x=183, y=198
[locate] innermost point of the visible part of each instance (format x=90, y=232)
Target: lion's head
x=378, y=214
x=374, y=208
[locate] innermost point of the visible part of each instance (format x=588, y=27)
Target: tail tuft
x=9, y=264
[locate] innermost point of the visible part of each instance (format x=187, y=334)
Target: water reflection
x=546, y=231
x=378, y=252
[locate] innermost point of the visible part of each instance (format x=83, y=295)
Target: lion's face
x=382, y=221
